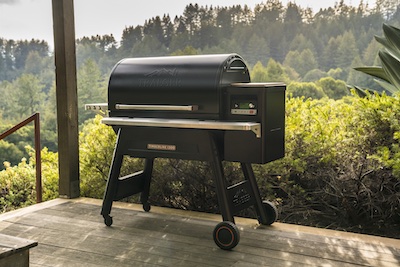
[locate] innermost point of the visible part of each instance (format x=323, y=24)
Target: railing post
x=38, y=159
x=36, y=118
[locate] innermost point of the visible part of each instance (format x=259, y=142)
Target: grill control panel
x=262, y=103
x=244, y=106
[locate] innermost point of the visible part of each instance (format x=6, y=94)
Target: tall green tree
x=25, y=96
x=257, y=49
x=276, y=72
x=302, y=62
x=154, y=28
x=34, y=63
x=92, y=88
x=271, y=11
x=6, y=89
x=259, y=73
x=149, y=46
x=130, y=37
x=292, y=19
x=330, y=53
x=41, y=67
x=192, y=18
x=370, y=54
x=309, y=62
x=300, y=43
x=224, y=22
x=347, y=51
x=2, y=60
x=386, y=7
x=48, y=120
x=168, y=29
x=21, y=51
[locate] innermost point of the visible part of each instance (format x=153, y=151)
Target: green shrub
x=338, y=169
x=96, y=144
x=50, y=175
x=305, y=89
x=18, y=183
x=17, y=186
x=335, y=89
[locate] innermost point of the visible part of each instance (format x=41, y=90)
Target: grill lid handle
x=255, y=127
x=156, y=107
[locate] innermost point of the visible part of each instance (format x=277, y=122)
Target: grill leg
x=147, y=172
x=249, y=175
x=220, y=182
x=112, y=182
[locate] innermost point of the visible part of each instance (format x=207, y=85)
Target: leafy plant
x=387, y=75
x=17, y=183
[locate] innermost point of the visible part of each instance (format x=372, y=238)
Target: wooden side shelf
x=14, y=251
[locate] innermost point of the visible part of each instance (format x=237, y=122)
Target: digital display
x=244, y=105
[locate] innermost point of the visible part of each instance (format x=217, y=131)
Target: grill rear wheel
x=226, y=235
x=271, y=211
x=108, y=220
x=146, y=207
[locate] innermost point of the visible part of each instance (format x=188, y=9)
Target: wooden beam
x=67, y=100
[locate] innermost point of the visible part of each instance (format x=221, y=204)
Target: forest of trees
x=313, y=52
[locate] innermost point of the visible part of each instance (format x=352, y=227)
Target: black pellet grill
x=194, y=108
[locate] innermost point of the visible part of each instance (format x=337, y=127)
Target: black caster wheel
x=226, y=235
x=271, y=211
x=108, y=220
x=146, y=207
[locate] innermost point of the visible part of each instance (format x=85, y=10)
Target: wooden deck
x=72, y=233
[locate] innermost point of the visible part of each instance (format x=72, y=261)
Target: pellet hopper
x=201, y=107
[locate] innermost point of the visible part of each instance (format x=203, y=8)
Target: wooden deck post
x=67, y=100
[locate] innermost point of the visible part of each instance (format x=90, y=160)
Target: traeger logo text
x=161, y=147
x=162, y=78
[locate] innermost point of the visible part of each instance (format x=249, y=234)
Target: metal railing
x=35, y=118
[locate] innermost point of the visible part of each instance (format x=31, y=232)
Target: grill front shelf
x=255, y=127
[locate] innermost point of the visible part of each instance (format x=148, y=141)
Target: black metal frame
x=208, y=148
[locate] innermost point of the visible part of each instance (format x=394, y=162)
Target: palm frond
x=374, y=71
x=392, y=35
x=387, y=76
x=391, y=66
x=387, y=86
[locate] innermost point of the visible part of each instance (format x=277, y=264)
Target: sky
x=27, y=19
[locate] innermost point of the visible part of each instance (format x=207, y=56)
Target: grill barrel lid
x=175, y=86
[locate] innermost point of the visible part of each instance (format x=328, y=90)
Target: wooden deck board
x=72, y=233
